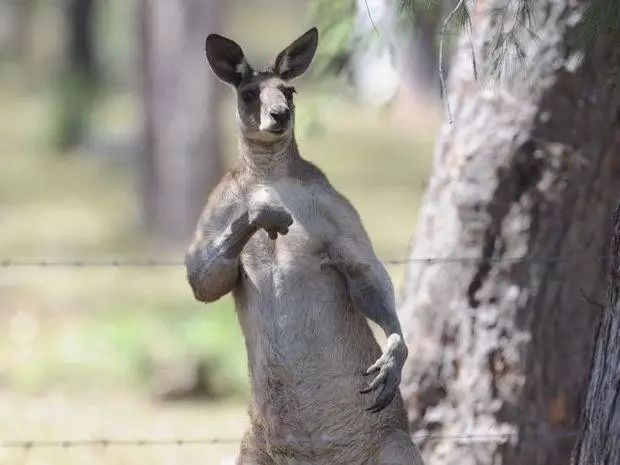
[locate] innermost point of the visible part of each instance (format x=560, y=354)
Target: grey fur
x=304, y=278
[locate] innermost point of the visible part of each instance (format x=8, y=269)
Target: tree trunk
x=599, y=439
x=529, y=168
x=417, y=57
x=78, y=81
x=181, y=160
x=16, y=28
x=81, y=43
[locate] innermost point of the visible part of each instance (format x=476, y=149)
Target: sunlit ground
x=128, y=416
x=81, y=349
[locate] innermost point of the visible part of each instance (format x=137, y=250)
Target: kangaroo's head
x=265, y=109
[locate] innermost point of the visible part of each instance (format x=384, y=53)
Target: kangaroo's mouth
x=278, y=131
x=270, y=135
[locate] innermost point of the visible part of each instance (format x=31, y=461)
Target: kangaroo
x=304, y=278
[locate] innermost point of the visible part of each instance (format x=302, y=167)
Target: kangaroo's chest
x=301, y=250
x=287, y=298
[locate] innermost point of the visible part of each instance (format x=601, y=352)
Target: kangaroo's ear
x=226, y=59
x=295, y=59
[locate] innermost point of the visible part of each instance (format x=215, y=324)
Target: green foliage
x=335, y=20
x=409, y=9
x=514, y=27
x=122, y=347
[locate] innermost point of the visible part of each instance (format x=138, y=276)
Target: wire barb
x=465, y=438
x=171, y=262
x=105, y=443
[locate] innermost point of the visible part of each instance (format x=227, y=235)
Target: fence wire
x=465, y=439
x=172, y=262
x=180, y=442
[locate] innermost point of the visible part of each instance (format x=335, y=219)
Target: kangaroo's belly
x=307, y=349
x=295, y=311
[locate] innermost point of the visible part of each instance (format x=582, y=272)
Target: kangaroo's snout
x=281, y=115
x=276, y=115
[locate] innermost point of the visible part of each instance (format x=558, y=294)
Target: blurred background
x=112, y=132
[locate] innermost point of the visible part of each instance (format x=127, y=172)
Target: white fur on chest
x=308, y=229
x=294, y=259
x=287, y=193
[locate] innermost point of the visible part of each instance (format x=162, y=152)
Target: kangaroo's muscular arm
x=371, y=292
x=212, y=260
x=226, y=225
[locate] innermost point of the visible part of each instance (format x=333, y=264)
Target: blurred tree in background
x=375, y=39
x=181, y=162
x=17, y=26
x=180, y=153
x=78, y=81
x=387, y=48
x=418, y=53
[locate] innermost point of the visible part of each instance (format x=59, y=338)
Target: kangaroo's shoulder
x=308, y=173
x=225, y=197
x=315, y=180
x=235, y=182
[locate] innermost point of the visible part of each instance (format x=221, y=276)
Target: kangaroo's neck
x=267, y=160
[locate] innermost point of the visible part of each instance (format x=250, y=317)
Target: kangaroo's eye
x=289, y=91
x=249, y=95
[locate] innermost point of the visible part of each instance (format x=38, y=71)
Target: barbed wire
x=108, y=442
x=465, y=439
x=80, y=443
x=89, y=263
x=171, y=263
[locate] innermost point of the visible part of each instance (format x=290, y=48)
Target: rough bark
x=181, y=160
x=599, y=438
x=528, y=168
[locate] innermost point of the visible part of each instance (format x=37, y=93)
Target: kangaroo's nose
x=280, y=115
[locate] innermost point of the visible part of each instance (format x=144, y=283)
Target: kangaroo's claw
x=388, y=367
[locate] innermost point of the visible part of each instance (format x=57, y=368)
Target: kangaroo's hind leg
x=398, y=449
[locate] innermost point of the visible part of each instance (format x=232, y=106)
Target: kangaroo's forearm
x=376, y=302
x=230, y=244
x=213, y=265
x=370, y=291
x=374, y=298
